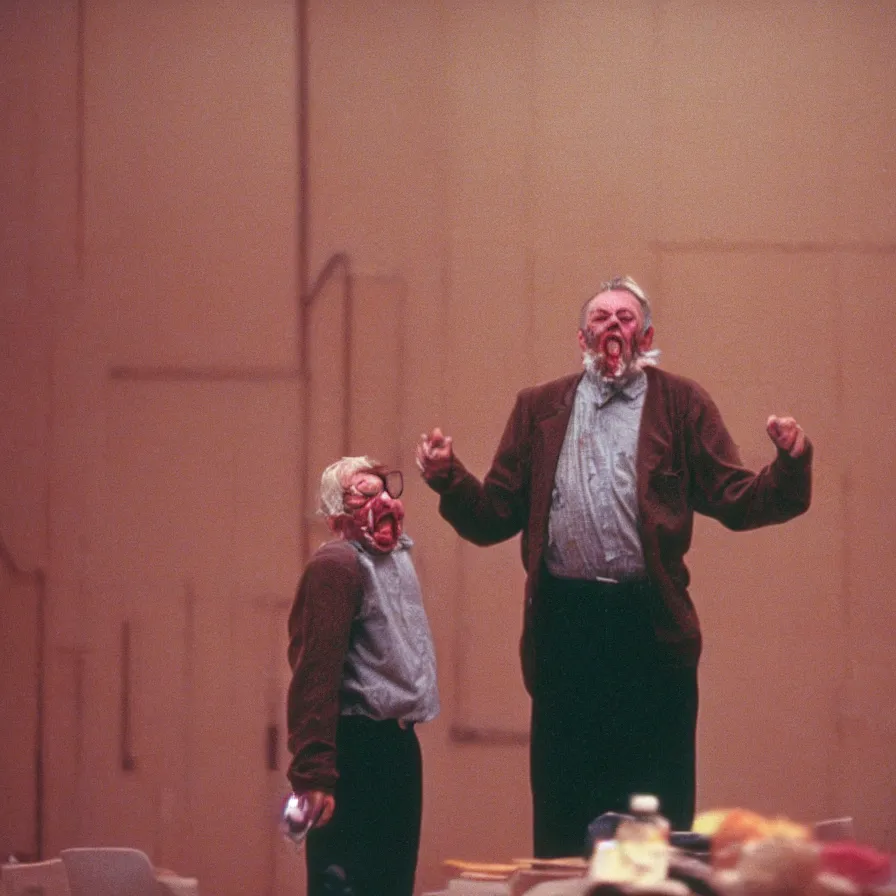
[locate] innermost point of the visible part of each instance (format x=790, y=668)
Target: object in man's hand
x=296, y=820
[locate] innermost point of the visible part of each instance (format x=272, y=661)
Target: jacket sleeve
x=327, y=599
x=726, y=490
x=495, y=509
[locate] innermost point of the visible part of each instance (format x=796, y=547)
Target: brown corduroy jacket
x=686, y=462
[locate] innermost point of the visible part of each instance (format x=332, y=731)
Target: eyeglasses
x=375, y=482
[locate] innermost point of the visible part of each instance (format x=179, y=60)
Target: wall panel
x=37, y=253
x=204, y=570
x=191, y=195
x=745, y=146
x=594, y=168
x=864, y=121
x=490, y=348
x=20, y=698
x=741, y=324
x=483, y=165
x=868, y=433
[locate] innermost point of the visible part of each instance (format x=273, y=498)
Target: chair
x=47, y=878
x=109, y=871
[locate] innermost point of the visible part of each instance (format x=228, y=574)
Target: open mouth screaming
x=612, y=355
x=383, y=527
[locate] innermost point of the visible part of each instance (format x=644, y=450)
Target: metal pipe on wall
x=40, y=590
x=308, y=292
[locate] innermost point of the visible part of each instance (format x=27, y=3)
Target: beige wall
x=483, y=165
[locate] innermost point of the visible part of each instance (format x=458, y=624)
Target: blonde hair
x=334, y=480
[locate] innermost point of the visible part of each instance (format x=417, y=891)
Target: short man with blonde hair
x=363, y=675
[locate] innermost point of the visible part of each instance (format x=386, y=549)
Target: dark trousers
x=610, y=717
x=374, y=835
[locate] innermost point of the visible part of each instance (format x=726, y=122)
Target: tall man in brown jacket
x=602, y=472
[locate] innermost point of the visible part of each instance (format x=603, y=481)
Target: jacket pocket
x=667, y=488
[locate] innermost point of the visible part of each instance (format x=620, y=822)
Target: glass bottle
x=643, y=840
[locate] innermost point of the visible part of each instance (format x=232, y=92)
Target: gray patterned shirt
x=593, y=526
x=390, y=670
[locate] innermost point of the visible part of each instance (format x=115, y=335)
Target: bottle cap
x=644, y=804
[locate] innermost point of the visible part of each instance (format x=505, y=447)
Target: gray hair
x=626, y=284
x=335, y=480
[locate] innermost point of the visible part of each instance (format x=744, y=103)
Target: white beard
x=639, y=361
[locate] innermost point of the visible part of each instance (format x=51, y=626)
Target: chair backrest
x=109, y=871
x=46, y=878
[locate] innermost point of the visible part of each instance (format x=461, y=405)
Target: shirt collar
x=404, y=543
x=601, y=391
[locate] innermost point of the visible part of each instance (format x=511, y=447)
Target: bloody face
x=373, y=512
x=613, y=332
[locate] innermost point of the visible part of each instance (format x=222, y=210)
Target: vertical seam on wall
x=532, y=145
x=657, y=225
x=80, y=113
x=845, y=673
x=844, y=635
x=401, y=365
x=458, y=700
x=448, y=98
x=302, y=276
